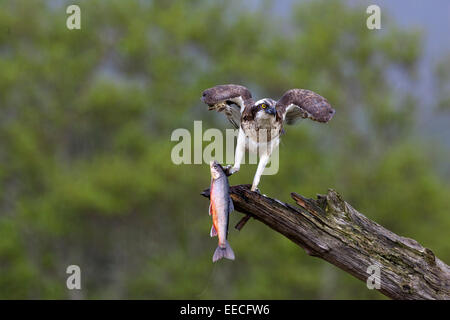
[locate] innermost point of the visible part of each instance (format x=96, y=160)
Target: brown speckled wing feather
x=302, y=103
x=230, y=99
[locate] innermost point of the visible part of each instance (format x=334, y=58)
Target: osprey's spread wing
x=302, y=103
x=231, y=99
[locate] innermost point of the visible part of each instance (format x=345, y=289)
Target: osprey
x=261, y=123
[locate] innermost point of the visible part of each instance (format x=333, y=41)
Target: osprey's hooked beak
x=271, y=111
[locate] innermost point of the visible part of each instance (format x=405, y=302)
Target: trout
x=220, y=207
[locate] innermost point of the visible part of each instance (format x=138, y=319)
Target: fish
x=220, y=207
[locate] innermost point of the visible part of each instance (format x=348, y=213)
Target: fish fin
x=230, y=205
x=213, y=232
x=226, y=252
x=210, y=209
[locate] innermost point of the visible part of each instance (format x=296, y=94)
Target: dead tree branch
x=331, y=229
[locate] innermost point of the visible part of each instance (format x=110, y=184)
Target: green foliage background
x=86, y=176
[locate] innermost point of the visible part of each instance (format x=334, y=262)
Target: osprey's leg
x=239, y=154
x=261, y=166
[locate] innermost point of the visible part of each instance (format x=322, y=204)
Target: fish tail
x=225, y=252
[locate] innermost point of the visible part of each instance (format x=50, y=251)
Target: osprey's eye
x=263, y=106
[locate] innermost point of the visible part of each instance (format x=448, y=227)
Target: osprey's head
x=265, y=108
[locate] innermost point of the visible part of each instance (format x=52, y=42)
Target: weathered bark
x=329, y=228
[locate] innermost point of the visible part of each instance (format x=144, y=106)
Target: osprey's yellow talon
x=229, y=170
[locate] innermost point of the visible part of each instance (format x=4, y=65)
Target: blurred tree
x=85, y=171
x=443, y=83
